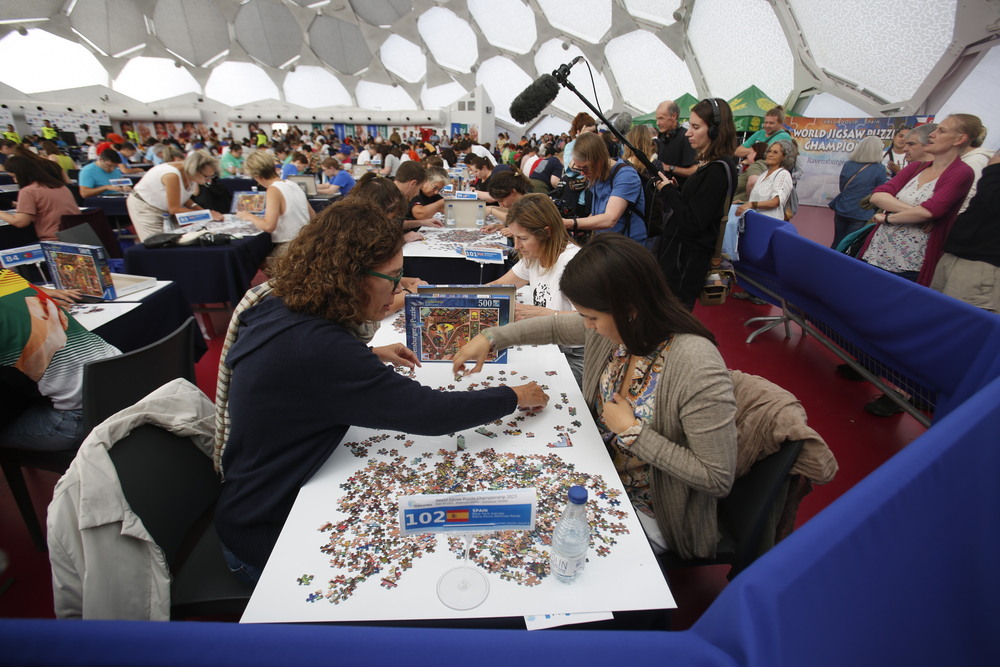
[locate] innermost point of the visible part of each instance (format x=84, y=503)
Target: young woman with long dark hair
x=656, y=385
x=698, y=211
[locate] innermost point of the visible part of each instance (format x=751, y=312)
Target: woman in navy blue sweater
x=302, y=374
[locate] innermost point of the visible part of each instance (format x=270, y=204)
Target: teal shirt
x=760, y=135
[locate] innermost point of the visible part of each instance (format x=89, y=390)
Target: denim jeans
x=43, y=428
x=843, y=226
x=245, y=572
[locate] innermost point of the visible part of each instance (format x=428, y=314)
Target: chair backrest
x=98, y=221
x=746, y=511
x=84, y=234
x=110, y=385
x=168, y=482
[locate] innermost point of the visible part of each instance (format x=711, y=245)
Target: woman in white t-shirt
x=168, y=188
x=545, y=248
x=286, y=209
x=772, y=190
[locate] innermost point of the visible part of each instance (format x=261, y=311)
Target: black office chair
x=110, y=385
x=747, y=514
x=172, y=487
x=98, y=221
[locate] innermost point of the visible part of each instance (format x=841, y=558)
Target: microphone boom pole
x=561, y=76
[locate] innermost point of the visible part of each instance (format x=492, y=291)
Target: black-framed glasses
x=392, y=279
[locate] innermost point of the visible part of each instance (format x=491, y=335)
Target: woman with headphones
x=699, y=210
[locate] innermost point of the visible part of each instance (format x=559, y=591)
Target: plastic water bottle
x=571, y=538
x=481, y=215
x=167, y=225
x=449, y=218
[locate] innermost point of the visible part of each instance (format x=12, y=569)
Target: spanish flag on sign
x=456, y=516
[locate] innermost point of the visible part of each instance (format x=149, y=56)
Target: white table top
x=339, y=558
x=451, y=241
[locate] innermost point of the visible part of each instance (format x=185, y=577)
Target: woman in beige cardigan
x=656, y=385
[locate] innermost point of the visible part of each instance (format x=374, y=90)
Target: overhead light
x=94, y=46
x=289, y=62
x=220, y=55
x=181, y=58
x=128, y=52
x=12, y=21
x=317, y=5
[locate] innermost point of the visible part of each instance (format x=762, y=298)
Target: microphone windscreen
x=621, y=121
x=532, y=101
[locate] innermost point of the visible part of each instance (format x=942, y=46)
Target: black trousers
x=685, y=267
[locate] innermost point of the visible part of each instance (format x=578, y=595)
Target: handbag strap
x=848, y=184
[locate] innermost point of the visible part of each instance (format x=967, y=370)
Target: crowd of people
x=613, y=244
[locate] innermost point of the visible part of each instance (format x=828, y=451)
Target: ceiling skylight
x=236, y=83
x=450, y=39
x=152, y=79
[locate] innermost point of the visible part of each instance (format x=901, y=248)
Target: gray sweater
x=692, y=443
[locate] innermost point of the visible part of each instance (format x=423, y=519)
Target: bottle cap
x=577, y=495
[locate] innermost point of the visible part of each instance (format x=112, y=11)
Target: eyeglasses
x=392, y=279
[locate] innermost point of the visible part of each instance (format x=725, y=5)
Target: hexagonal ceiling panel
x=267, y=31
x=643, y=88
x=588, y=20
x=381, y=12
x=339, y=44
x=507, y=24
x=894, y=67
x=403, y=58
x=450, y=39
x=721, y=46
x=236, y=83
x=152, y=79
x=314, y=88
x=115, y=27
x=194, y=30
x=48, y=55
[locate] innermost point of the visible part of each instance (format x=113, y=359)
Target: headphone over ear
x=713, y=128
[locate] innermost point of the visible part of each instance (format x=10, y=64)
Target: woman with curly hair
x=302, y=374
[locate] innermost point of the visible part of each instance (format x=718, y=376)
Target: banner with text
x=826, y=143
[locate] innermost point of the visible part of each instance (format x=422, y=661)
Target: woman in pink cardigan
x=921, y=203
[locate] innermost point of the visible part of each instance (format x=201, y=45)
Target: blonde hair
x=538, y=215
x=972, y=127
x=198, y=160
x=260, y=164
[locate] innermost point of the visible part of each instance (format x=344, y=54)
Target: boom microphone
x=532, y=101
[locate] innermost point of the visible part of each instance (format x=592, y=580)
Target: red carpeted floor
x=860, y=441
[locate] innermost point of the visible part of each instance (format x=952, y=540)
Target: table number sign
x=477, y=512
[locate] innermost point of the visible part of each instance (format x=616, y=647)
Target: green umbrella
x=749, y=108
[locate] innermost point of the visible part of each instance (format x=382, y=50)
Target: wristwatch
x=671, y=168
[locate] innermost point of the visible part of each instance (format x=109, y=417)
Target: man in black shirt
x=969, y=270
x=483, y=171
x=674, y=154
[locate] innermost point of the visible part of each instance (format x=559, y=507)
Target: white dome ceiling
x=881, y=56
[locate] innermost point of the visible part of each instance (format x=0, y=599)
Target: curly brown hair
x=322, y=270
